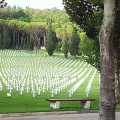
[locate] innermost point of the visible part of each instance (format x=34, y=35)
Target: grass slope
x=26, y=103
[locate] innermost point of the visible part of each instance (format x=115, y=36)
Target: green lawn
x=42, y=62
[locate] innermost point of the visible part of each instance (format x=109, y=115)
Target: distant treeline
x=19, y=26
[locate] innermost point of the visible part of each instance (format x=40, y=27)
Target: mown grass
x=26, y=103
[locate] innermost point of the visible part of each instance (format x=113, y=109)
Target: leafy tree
x=65, y=43
x=89, y=49
x=2, y=22
x=65, y=48
x=2, y=3
x=25, y=22
x=89, y=18
x=31, y=43
x=50, y=40
x=74, y=42
x=83, y=11
x=0, y=40
x=6, y=38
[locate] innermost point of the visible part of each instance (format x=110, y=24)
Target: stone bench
x=84, y=102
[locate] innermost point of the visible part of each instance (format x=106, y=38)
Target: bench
x=84, y=102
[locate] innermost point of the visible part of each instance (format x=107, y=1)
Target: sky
x=37, y=4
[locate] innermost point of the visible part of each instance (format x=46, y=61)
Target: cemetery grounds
x=28, y=79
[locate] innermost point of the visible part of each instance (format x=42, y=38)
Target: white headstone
x=8, y=94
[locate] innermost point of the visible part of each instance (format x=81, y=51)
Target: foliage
x=6, y=38
x=3, y=4
x=25, y=22
x=31, y=43
x=74, y=42
x=106, y=43
x=65, y=43
x=88, y=15
x=89, y=50
x=1, y=39
x=51, y=40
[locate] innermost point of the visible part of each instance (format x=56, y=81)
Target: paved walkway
x=68, y=116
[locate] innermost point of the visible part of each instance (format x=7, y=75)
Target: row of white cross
x=89, y=84
x=37, y=74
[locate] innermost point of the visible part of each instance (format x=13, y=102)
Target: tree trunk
x=28, y=46
x=107, y=83
x=116, y=69
x=45, y=40
x=0, y=40
x=13, y=39
x=22, y=41
x=18, y=40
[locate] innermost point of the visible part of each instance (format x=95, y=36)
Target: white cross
x=33, y=92
x=43, y=89
x=59, y=88
x=70, y=93
x=10, y=88
x=1, y=87
x=37, y=86
x=39, y=90
x=27, y=89
x=47, y=87
x=53, y=91
x=32, y=86
x=21, y=90
x=17, y=87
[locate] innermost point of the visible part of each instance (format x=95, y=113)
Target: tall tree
x=31, y=46
x=74, y=42
x=89, y=18
x=0, y=39
x=50, y=40
x=82, y=12
x=6, y=38
x=90, y=50
x=65, y=42
x=107, y=86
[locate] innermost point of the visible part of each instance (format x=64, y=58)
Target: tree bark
x=116, y=69
x=18, y=40
x=107, y=83
x=13, y=39
x=0, y=40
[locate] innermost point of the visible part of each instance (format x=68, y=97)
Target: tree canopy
x=88, y=14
